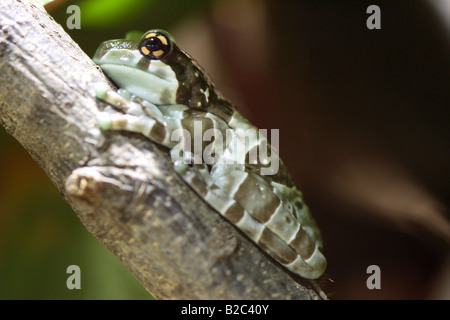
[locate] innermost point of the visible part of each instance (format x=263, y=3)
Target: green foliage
x=134, y=34
x=45, y=2
x=108, y=12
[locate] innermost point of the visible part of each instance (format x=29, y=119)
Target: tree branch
x=121, y=185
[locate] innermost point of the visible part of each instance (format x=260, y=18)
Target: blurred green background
x=363, y=119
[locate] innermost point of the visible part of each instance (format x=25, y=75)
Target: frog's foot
x=151, y=128
x=101, y=90
x=104, y=93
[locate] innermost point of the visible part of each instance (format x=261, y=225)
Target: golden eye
x=154, y=45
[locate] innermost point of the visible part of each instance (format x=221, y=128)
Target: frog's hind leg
x=243, y=199
x=199, y=179
x=149, y=127
x=300, y=209
x=280, y=226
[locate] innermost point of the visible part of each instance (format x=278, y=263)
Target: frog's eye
x=154, y=45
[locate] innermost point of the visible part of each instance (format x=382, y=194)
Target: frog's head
x=155, y=69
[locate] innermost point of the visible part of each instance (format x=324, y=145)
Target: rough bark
x=122, y=186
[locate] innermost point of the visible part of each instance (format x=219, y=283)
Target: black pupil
x=153, y=44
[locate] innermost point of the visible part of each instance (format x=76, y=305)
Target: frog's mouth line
x=129, y=68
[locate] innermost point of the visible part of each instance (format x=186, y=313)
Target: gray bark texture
x=122, y=187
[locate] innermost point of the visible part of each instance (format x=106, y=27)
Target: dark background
x=363, y=119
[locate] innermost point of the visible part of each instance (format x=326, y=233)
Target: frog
x=165, y=95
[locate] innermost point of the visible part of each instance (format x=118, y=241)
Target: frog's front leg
x=126, y=102
x=137, y=118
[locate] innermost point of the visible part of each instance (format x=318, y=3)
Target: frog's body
x=164, y=91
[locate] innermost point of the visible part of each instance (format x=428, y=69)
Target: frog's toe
x=104, y=121
x=101, y=90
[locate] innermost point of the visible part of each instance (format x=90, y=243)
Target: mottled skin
x=163, y=90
